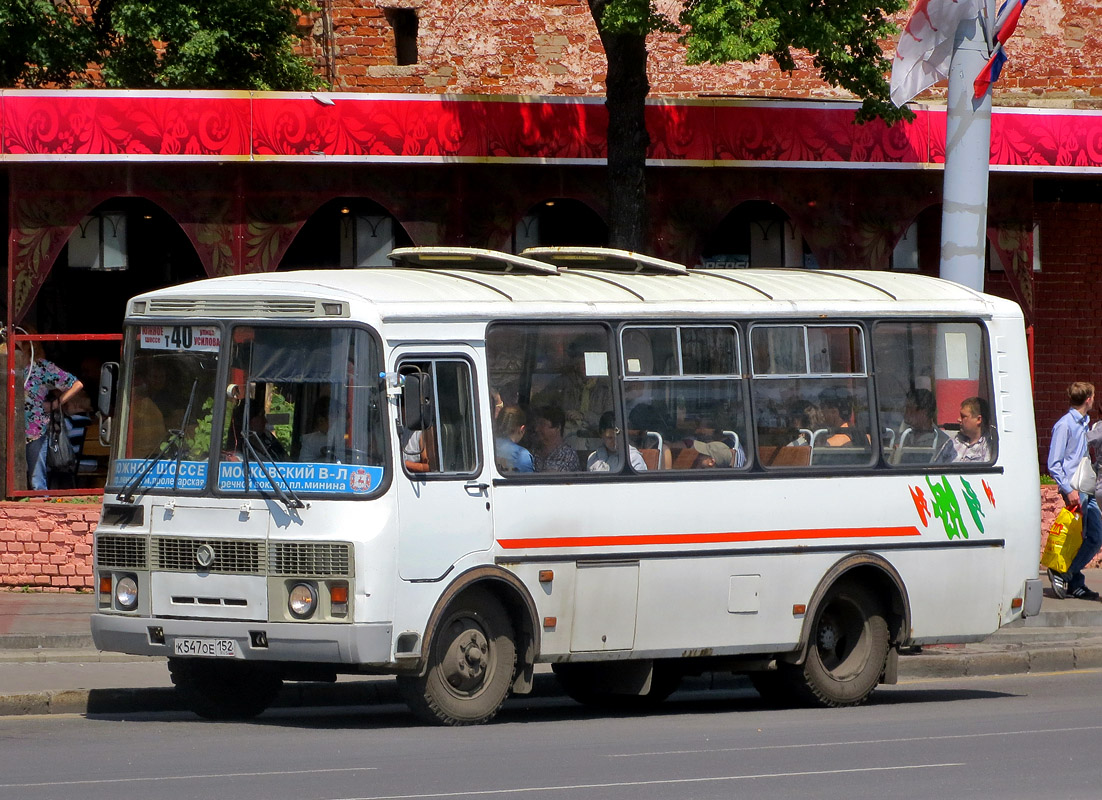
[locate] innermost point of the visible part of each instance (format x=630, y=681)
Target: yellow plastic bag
x=1064, y=538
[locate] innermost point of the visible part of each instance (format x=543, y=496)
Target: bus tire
x=224, y=690
x=472, y=659
x=847, y=650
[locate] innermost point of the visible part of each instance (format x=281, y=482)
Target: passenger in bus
x=920, y=431
x=510, y=427
x=609, y=457
x=806, y=419
x=711, y=455
x=582, y=396
x=263, y=439
x=314, y=441
x=552, y=453
x=974, y=441
x=837, y=407
x=148, y=430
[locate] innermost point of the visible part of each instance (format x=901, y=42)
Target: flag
x=1005, y=23
x=926, y=47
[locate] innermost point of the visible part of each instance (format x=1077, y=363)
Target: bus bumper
x=1034, y=592
x=363, y=643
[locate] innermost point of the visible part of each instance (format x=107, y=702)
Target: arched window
x=919, y=246
x=560, y=222
x=756, y=234
x=346, y=233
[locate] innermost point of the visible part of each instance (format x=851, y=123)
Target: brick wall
x=550, y=47
x=1069, y=310
x=47, y=546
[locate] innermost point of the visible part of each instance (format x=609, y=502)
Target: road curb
x=383, y=691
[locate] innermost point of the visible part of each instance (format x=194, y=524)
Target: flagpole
x=967, y=159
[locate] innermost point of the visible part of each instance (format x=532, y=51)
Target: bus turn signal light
x=1016, y=602
x=799, y=609
x=547, y=575
x=338, y=599
x=550, y=622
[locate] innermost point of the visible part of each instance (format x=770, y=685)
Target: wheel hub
x=828, y=638
x=467, y=659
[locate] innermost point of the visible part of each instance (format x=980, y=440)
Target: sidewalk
x=48, y=663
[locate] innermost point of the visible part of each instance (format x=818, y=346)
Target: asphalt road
x=996, y=737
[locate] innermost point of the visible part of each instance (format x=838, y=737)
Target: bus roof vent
x=468, y=258
x=233, y=307
x=604, y=258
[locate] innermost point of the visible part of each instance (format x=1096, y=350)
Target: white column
x=967, y=161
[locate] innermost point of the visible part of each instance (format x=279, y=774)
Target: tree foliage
x=164, y=44
x=842, y=38
x=41, y=43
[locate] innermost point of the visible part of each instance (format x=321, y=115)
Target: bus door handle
x=475, y=488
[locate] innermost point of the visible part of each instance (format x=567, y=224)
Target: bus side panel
x=721, y=564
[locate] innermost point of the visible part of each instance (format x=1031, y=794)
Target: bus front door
x=443, y=483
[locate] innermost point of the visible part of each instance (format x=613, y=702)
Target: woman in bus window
x=509, y=455
x=552, y=453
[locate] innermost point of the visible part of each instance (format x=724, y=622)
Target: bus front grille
x=229, y=555
x=313, y=559
x=121, y=552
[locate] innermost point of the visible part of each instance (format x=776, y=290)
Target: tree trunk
x=626, y=89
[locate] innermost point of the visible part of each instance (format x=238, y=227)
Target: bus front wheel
x=847, y=651
x=471, y=663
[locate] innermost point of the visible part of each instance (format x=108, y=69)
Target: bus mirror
x=417, y=401
x=105, y=399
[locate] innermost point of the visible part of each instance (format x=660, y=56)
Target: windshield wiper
x=263, y=457
x=170, y=444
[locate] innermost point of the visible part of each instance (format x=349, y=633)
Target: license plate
x=211, y=648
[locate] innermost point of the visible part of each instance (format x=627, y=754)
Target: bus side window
x=811, y=391
x=925, y=371
x=437, y=426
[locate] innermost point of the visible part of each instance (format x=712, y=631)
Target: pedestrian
x=46, y=387
x=1065, y=451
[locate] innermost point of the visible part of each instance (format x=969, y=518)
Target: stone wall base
x=47, y=546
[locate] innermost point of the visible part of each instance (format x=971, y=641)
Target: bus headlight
x=126, y=593
x=302, y=601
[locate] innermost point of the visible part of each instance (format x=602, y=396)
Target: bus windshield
x=302, y=412
x=166, y=405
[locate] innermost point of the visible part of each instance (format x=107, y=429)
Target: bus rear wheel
x=471, y=663
x=847, y=652
x=224, y=690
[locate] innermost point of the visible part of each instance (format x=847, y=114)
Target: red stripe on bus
x=705, y=538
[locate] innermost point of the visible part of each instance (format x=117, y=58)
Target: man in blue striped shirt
x=1065, y=451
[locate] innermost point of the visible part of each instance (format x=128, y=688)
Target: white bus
x=470, y=463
